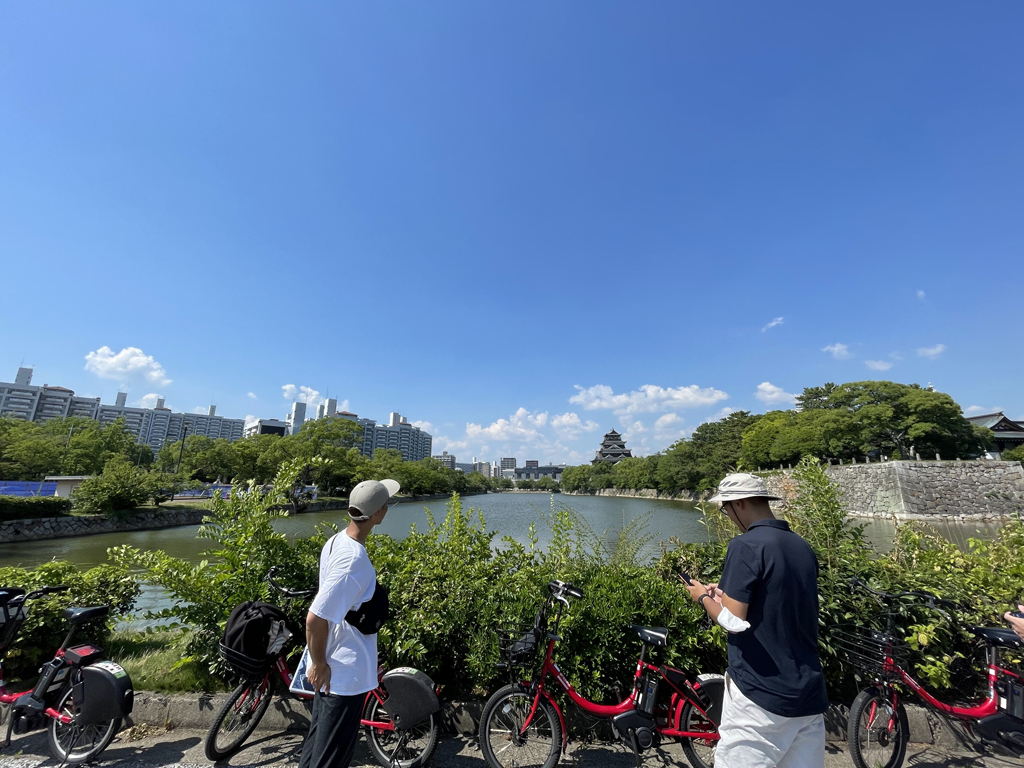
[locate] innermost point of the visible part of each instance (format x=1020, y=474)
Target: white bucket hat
x=741, y=485
x=367, y=498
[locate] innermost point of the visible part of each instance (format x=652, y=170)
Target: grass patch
x=153, y=660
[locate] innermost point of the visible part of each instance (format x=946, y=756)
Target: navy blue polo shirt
x=775, y=662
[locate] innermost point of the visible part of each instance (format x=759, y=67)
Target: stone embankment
x=13, y=531
x=923, y=490
x=645, y=493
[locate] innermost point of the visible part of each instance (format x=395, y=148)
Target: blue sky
x=523, y=224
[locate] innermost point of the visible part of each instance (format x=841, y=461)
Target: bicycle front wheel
x=877, y=732
x=238, y=718
x=72, y=743
x=503, y=740
x=419, y=745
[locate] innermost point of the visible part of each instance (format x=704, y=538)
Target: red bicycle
x=878, y=731
x=400, y=716
x=522, y=725
x=80, y=698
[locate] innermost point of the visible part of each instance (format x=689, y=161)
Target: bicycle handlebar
x=297, y=593
x=932, y=601
x=44, y=591
x=561, y=589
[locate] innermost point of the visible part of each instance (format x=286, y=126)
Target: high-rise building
x=446, y=459
x=151, y=426
x=296, y=418
x=530, y=463
x=265, y=427
x=508, y=463
x=413, y=443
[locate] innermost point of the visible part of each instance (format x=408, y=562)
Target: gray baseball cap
x=367, y=498
x=741, y=485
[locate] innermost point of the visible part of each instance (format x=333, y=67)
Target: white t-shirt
x=347, y=580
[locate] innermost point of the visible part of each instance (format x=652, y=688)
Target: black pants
x=333, y=731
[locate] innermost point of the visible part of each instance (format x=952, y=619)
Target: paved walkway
x=144, y=748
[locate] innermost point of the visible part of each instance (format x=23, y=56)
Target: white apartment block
x=151, y=426
x=413, y=443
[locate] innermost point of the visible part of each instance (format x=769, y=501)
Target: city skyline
x=656, y=214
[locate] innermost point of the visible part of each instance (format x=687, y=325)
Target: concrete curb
x=459, y=717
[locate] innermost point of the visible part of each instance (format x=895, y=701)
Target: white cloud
x=148, y=401
x=975, y=410
x=931, y=352
x=307, y=395
x=249, y=418
x=837, y=350
x=253, y=396
x=720, y=415
x=896, y=356
x=570, y=426
x=772, y=324
x=920, y=295
x=129, y=363
x=878, y=365
x=650, y=398
x=200, y=409
x=521, y=425
x=772, y=395
x=426, y=426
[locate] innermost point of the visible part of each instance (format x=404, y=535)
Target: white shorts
x=752, y=737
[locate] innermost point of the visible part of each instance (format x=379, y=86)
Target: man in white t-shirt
x=342, y=660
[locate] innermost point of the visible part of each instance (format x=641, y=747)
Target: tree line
x=833, y=422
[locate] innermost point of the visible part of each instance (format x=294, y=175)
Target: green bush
x=44, y=626
x=25, y=507
x=120, y=488
x=452, y=584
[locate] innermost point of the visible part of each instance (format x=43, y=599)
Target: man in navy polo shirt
x=767, y=600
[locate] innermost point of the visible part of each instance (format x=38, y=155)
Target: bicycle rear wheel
x=72, y=744
x=701, y=752
x=502, y=740
x=419, y=745
x=238, y=718
x=877, y=733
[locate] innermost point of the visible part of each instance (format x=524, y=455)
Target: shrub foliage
x=25, y=507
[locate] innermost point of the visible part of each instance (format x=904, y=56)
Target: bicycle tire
x=417, y=750
x=257, y=699
x=66, y=741
x=699, y=752
x=860, y=753
x=501, y=725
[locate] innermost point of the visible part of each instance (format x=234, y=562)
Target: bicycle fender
x=558, y=711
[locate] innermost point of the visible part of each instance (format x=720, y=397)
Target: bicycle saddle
x=80, y=615
x=997, y=636
x=654, y=635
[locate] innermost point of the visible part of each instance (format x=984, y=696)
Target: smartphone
x=686, y=579
x=1017, y=614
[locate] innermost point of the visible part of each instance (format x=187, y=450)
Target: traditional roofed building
x=613, y=449
x=1008, y=434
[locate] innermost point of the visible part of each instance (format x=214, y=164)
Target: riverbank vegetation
x=832, y=422
x=456, y=581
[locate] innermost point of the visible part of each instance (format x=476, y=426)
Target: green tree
x=120, y=488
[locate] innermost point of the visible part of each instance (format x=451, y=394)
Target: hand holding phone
x=685, y=578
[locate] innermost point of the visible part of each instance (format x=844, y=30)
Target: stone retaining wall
x=922, y=490
x=645, y=493
x=13, y=531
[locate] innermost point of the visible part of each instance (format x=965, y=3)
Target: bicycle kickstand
x=402, y=738
x=636, y=748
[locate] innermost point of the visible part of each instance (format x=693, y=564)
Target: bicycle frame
x=281, y=668
x=985, y=708
x=611, y=710
x=8, y=697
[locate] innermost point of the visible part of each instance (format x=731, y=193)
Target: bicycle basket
x=517, y=647
x=244, y=666
x=11, y=617
x=869, y=650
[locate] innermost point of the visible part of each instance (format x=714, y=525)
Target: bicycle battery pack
x=1011, y=698
x=103, y=692
x=411, y=697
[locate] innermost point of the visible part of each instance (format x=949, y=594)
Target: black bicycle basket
x=11, y=617
x=246, y=667
x=868, y=650
x=518, y=647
